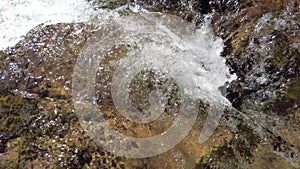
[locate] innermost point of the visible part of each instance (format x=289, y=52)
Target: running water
x=19, y=16
x=157, y=41
x=169, y=46
x=142, y=46
x=205, y=64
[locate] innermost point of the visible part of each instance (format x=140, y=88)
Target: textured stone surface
x=262, y=48
x=39, y=128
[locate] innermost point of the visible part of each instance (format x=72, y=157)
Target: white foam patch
x=190, y=55
x=19, y=16
x=171, y=48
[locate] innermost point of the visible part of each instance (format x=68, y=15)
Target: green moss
x=234, y=153
x=265, y=159
x=280, y=50
x=12, y=100
x=294, y=90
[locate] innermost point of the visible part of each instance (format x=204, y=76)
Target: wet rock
x=24, y=69
x=37, y=114
x=236, y=153
x=3, y=140
x=192, y=10
x=111, y=4
x=39, y=127
x=262, y=48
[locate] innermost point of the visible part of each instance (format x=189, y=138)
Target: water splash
x=19, y=16
x=167, y=45
x=189, y=55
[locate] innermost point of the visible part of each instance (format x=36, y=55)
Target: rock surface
x=262, y=48
x=39, y=128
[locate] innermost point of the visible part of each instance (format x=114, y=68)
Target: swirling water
x=166, y=45
x=204, y=63
x=190, y=55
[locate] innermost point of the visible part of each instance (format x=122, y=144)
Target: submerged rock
x=40, y=129
x=39, y=126
x=262, y=48
x=37, y=120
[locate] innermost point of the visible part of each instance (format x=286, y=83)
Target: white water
x=17, y=17
x=191, y=56
x=167, y=45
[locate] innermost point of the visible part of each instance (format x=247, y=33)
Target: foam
x=19, y=16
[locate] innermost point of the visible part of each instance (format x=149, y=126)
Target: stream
x=117, y=84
